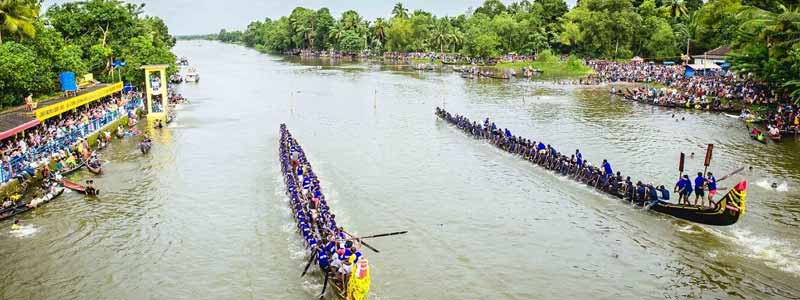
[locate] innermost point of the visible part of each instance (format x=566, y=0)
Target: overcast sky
x=206, y=16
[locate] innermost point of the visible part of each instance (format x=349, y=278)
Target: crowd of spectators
x=36, y=146
x=704, y=89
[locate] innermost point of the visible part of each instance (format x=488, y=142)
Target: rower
x=664, y=193
x=16, y=225
x=607, y=168
x=684, y=189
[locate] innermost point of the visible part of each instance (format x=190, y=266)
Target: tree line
x=82, y=37
x=763, y=33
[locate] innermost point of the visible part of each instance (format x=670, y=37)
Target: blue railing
x=18, y=164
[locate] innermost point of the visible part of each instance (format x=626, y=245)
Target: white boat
x=191, y=75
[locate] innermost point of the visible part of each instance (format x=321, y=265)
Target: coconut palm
x=439, y=35
x=17, y=17
x=399, y=11
x=379, y=30
x=455, y=38
x=336, y=33
x=687, y=30
x=676, y=8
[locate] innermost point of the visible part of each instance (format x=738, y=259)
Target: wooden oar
x=324, y=285
x=372, y=236
x=383, y=234
x=313, y=255
x=731, y=174
x=363, y=243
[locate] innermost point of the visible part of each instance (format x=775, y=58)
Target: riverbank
x=11, y=187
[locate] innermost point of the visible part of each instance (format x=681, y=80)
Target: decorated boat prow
x=727, y=210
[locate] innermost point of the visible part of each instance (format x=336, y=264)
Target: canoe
x=78, y=187
x=775, y=138
x=22, y=208
x=75, y=168
x=25, y=187
x=727, y=210
x=360, y=281
x=96, y=170
x=763, y=141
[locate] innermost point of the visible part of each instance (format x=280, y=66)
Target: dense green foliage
x=80, y=37
x=763, y=33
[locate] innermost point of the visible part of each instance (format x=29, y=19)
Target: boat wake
x=774, y=253
x=766, y=184
x=24, y=231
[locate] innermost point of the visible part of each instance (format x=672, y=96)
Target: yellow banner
x=74, y=102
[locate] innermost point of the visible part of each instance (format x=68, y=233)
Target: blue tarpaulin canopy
x=68, y=81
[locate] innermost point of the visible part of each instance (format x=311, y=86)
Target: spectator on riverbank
x=41, y=143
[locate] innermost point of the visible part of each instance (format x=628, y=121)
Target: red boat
x=79, y=188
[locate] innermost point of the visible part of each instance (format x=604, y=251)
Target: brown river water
x=203, y=216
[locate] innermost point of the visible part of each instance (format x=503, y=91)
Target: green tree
x=20, y=73
x=491, y=8
x=18, y=16
x=399, y=35
x=400, y=12
x=676, y=8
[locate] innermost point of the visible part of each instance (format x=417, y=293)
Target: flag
x=358, y=285
x=118, y=63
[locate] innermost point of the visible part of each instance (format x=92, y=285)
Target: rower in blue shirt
x=322, y=260
x=664, y=193
x=607, y=168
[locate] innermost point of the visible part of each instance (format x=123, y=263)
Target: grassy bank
x=416, y=61
x=552, y=66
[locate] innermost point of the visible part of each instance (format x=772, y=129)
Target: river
x=204, y=216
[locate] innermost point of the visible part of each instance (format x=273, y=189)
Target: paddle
x=383, y=234
x=731, y=174
x=324, y=285
x=373, y=236
x=363, y=243
x=313, y=255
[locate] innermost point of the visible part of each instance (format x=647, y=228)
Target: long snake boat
x=726, y=211
x=333, y=250
x=629, y=95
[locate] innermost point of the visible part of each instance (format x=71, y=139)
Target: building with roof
x=713, y=56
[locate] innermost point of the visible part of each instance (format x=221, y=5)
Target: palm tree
x=335, y=34
x=379, y=30
x=688, y=30
x=399, y=11
x=439, y=35
x=455, y=38
x=676, y=8
x=780, y=28
x=18, y=16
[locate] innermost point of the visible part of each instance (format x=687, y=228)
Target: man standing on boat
x=711, y=181
x=579, y=157
x=699, y=191
x=607, y=168
x=684, y=189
